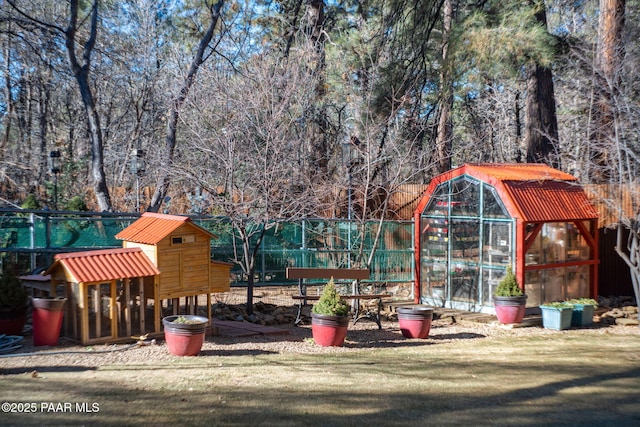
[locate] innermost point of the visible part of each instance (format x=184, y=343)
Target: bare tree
x=203, y=51
x=614, y=153
x=246, y=153
x=74, y=36
x=609, y=56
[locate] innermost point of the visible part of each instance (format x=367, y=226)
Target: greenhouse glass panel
x=497, y=248
x=439, y=202
x=465, y=197
x=492, y=205
x=577, y=246
x=533, y=287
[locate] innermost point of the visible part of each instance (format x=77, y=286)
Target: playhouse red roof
x=102, y=265
x=151, y=228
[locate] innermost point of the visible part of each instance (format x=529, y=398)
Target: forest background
x=263, y=110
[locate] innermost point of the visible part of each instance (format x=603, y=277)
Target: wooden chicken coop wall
x=184, y=260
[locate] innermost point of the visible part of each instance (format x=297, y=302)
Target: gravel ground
x=361, y=336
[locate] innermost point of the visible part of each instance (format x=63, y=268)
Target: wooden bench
x=355, y=274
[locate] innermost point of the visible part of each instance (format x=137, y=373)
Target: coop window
x=178, y=240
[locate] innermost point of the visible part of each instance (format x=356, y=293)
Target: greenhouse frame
x=474, y=221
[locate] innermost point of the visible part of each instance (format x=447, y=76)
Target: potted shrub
x=509, y=300
x=415, y=321
x=556, y=315
x=583, y=310
x=184, y=334
x=330, y=317
x=13, y=303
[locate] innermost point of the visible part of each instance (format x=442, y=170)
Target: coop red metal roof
x=104, y=265
x=151, y=228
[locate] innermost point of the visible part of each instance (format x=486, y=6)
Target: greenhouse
x=474, y=221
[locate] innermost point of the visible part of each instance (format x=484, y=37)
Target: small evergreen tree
x=508, y=286
x=330, y=303
x=12, y=293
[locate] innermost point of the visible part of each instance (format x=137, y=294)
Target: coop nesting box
x=474, y=221
x=181, y=250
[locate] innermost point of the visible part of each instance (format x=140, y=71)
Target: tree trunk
x=631, y=256
x=249, y=255
x=541, y=124
x=444, y=136
x=608, y=59
x=81, y=74
x=8, y=96
x=319, y=152
x=164, y=180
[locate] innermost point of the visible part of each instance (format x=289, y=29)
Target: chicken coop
x=164, y=264
x=476, y=220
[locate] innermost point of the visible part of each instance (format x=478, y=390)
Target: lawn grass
x=561, y=379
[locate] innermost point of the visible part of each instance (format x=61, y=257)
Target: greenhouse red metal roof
x=151, y=228
x=530, y=192
x=516, y=172
x=102, y=265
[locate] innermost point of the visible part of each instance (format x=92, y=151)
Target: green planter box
x=557, y=318
x=582, y=315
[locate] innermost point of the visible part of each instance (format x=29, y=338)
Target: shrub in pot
x=330, y=317
x=509, y=300
x=13, y=303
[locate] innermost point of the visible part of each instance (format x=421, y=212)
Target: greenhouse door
x=464, y=268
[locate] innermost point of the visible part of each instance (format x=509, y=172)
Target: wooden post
x=97, y=303
x=84, y=312
x=143, y=305
x=113, y=312
x=127, y=307
x=156, y=305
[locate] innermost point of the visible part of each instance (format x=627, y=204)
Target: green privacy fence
x=31, y=238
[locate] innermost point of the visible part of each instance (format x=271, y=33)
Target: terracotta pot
x=510, y=310
x=47, y=320
x=329, y=330
x=185, y=339
x=12, y=320
x=415, y=321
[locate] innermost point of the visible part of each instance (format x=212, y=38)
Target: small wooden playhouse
x=114, y=294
